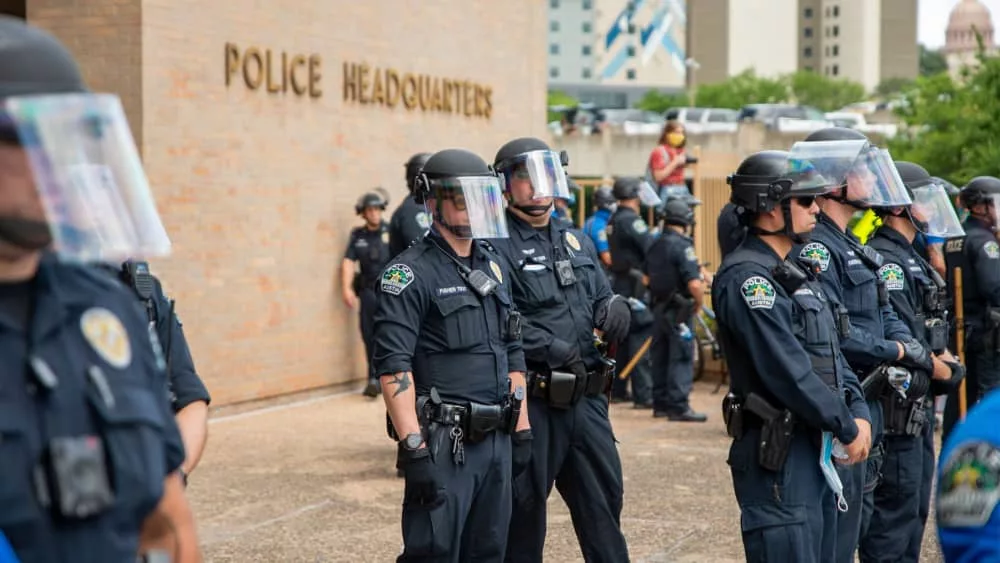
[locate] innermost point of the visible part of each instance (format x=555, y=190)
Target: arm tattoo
x=404, y=383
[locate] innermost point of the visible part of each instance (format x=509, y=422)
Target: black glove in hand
x=915, y=356
x=614, y=318
x=422, y=487
x=521, y=451
x=566, y=356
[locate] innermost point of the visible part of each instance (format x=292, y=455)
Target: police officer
x=629, y=239
x=861, y=176
x=561, y=212
x=90, y=452
x=729, y=231
x=367, y=253
x=188, y=395
x=980, y=293
x=409, y=222
x=789, y=380
x=596, y=225
x=676, y=288
x=447, y=348
x=560, y=289
x=918, y=295
x=968, y=510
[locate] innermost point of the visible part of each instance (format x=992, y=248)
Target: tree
x=952, y=127
x=660, y=102
x=932, y=61
x=742, y=89
x=893, y=86
x=562, y=100
x=825, y=93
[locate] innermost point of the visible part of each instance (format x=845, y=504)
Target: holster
x=732, y=415
x=776, y=432
x=902, y=417
x=482, y=420
x=562, y=389
x=936, y=333
x=875, y=383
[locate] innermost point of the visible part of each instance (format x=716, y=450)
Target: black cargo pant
x=472, y=523
x=368, y=299
x=575, y=450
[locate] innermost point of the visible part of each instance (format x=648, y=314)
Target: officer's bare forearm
x=401, y=402
x=193, y=423
x=347, y=276
x=170, y=528
x=517, y=380
x=697, y=290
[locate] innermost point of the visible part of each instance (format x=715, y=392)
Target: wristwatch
x=412, y=441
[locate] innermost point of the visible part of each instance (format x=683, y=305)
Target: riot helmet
x=413, y=167
x=677, y=211
x=531, y=175
x=860, y=174
x=931, y=211
x=982, y=190
x=761, y=183
x=462, y=193
x=604, y=199
x=630, y=187
x=81, y=160
x=370, y=199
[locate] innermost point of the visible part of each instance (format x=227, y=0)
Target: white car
x=705, y=120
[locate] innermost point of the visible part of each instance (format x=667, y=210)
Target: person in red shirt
x=666, y=162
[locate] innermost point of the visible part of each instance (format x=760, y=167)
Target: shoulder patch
x=690, y=255
x=758, y=292
x=639, y=226
x=892, y=275
x=572, y=241
x=385, y=237
x=992, y=250
x=495, y=268
x=817, y=252
x=396, y=278
x=423, y=219
x=969, y=488
x=106, y=334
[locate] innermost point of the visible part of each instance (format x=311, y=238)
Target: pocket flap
x=760, y=516
x=860, y=276
x=131, y=405
x=448, y=305
x=14, y=419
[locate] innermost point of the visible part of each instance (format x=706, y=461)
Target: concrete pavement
x=314, y=482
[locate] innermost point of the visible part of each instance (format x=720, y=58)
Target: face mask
x=25, y=233
x=826, y=455
x=675, y=139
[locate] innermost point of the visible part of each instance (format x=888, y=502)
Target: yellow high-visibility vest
x=866, y=225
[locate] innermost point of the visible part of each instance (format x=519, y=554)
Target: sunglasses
x=805, y=200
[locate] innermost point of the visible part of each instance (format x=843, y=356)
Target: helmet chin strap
x=460, y=231
x=841, y=197
x=25, y=233
x=786, y=230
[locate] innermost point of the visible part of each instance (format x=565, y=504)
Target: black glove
x=422, y=487
x=563, y=355
x=915, y=356
x=920, y=384
x=614, y=317
x=521, y=452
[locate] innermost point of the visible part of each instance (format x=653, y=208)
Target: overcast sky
x=933, y=18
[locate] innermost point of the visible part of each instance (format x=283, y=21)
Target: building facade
x=610, y=52
x=260, y=123
x=969, y=23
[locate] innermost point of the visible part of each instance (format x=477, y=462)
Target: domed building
x=967, y=18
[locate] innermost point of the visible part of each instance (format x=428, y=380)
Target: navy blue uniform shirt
x=409, y=223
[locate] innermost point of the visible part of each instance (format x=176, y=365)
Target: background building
x=866, y=41
x=260, y=124
x=610, y=52
x=967, y=19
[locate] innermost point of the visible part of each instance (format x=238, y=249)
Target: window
x=836, y=11
x=808, y=32
x=553, y=26
x=553, y=72
x=807, y=52
x=836, y=70
x=554, y=49
x=836, y=31
x=807, y=13
x=585, y=74
x=630, y=74
x=587, y=4
x=836, y=50
x=630, y=50
x=553, y=4
x=693, y=115
x=585, y=50
x=587, y=27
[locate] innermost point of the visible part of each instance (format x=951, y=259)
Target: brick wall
x=257, y=189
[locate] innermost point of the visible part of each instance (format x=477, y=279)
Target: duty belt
x=564, y=389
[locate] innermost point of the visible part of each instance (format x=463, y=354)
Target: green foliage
x=823, y=92
x=660, y=102
x=742, y=89
x=931, y=62
x=893, y=86
x=558, y=98
x=953, y=128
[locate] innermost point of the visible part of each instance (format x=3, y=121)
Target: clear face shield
x=88, y=176
x=471, y=207
x=991, y=203
x=647, y=195
x=533, y=179
x=933, y=213
x=867, y=172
